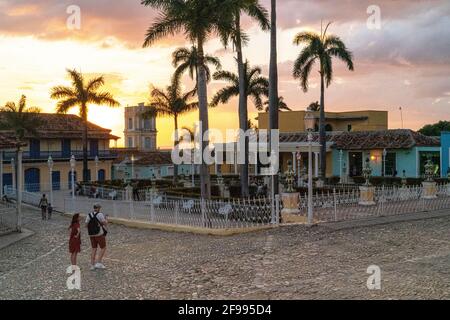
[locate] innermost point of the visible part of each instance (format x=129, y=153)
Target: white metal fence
x=185, y=212
x=345, y=205
x=8, y=217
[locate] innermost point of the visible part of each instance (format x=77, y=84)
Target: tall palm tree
x=273, y=80
x=172, y=102
x=281, y=105
x=314, y=106
x=320, y=48
x=20, y=119
x=198, y=20
x=81, y=95
x=256, y=86
x=257, y=12
x=186, y=60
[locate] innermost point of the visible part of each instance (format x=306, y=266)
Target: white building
x=140, y=133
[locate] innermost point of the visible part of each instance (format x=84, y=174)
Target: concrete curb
x=137, y=224
x=11, y=238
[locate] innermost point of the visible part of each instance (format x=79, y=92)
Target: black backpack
x=93, y=225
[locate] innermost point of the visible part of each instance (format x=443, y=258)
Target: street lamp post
x=50, y=170
x=384, y=162
x=96, y=167
x=309, y=125
x=13, y=170
x=341, y=155
x=73, y=163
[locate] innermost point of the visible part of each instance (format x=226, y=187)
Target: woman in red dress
x=75, y=238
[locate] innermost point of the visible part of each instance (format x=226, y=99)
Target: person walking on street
x=49, y=211
x=43, y=204
x=96, y=224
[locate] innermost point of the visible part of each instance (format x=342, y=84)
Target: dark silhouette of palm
x=321, y=48
x=80, y=95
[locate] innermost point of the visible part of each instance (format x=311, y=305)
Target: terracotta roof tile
x=67, y=126
x=144, y=158
x=364, y=140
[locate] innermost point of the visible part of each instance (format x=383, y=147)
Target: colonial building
x=140, y=132
x=390, y=152
x=294, y=121
x=59, y=137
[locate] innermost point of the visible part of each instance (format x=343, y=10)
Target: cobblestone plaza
x=295, y=262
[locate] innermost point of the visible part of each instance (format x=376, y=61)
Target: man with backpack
x=96, y=225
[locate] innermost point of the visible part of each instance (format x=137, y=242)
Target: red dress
x=74, y=243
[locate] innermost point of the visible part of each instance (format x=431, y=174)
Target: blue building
x=391, y=153
x=445, y=153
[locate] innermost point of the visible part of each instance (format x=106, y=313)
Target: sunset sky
x=404, y=64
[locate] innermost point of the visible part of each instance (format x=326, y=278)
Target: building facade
x=140, y=132
x=59, y=137
x=294, y=121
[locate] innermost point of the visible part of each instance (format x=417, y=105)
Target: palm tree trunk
x=273, y=80
x=205, y=181
x=85, y=145
x=243, y=111
x=175, y=167
x=322, y=133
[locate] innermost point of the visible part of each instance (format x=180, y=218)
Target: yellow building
x=293, y=121
x=59, y=137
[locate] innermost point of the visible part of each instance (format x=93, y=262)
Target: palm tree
x=20, y=119
x=257, y=12
x=273, y=80
x=281, y=105
x=81, y=95
x=198, y=20
x=322, y=48
x=255, y=86
x=184, y=59
x=172, y=102
x=23, y=121
x=314, y=106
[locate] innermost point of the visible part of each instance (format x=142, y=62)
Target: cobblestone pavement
x=285, y=263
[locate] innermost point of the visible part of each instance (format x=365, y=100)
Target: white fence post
x=152, y=208
x=177, y=209
x=277, y=209
x=131, y=209
x=202, y=208
x=335, y=204
x=114, y=209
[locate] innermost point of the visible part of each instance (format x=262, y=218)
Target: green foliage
x=435, y=129
x=256, y=87
x=20, y=119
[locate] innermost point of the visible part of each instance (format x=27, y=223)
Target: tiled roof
x=144, y=158
x=365, y=140
x=67, y=126
x=7, y=143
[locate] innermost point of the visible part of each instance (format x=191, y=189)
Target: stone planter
x=429, y=190
x=367, y=196
x=290, y=203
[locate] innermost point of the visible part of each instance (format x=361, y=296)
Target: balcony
x=59, y=155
